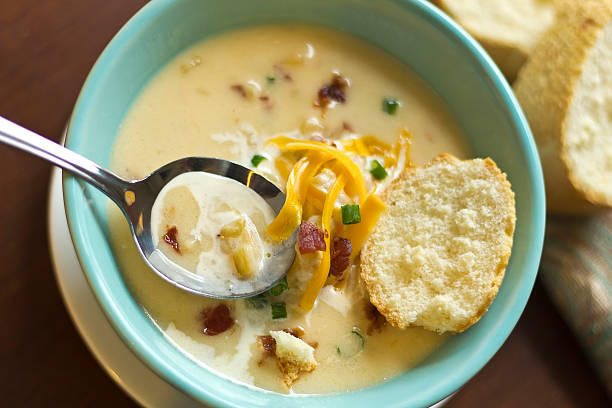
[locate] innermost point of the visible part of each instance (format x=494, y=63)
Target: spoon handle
x=30, y=142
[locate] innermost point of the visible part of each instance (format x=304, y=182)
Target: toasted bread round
x=438, y=254
x=508, y=30
x=565, y=90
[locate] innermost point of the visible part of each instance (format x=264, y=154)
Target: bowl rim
x=478, y=57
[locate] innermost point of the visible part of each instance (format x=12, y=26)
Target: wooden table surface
x=46, y=49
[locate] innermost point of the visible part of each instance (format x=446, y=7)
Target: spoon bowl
x=144, y=193
x=136, y=198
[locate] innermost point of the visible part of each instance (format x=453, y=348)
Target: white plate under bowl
x=132, y=375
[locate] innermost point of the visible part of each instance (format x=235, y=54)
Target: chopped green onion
x=279, y=311
x=258, y=301
x=390, y=106
x=256, y=159
x=280, y=287
x=354, y=344
x=378, y=171
x=270, y=79
x=350, y=214
x=357, y=333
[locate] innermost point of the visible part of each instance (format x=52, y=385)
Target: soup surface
x=224, y=98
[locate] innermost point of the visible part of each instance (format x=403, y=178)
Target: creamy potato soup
x=331, y=120
x=226, y=240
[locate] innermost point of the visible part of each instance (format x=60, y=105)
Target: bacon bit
x=314, y=344
x=340, y=256
x=217, y=319
x=267, y=343
x=170, y=238
x=266, y=101
x=283, y=72
x=332, y=93
x=239, y=89
x=295, y=332
x=310, y=238
x=377, y=321
x=347, y=126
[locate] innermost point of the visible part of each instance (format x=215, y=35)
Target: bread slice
x=565, y=91
x=508, y=30
x=294, y=355
x=438, y=254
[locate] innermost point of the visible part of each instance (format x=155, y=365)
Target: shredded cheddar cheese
x=284, y=164
x=288, y=144
x=316, y=160
x=290, y=216
x=304, y=195
x=358, y=233
x=317, y=281
x=316, y=197
x=371, y=146
x=401, y=151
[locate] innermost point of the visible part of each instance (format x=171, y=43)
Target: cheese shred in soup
x=332, y=121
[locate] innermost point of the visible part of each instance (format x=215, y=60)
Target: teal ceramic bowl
x=416, y=33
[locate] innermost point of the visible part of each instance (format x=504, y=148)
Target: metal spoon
x=135, y=198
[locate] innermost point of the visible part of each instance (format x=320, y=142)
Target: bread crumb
x=294, y=355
